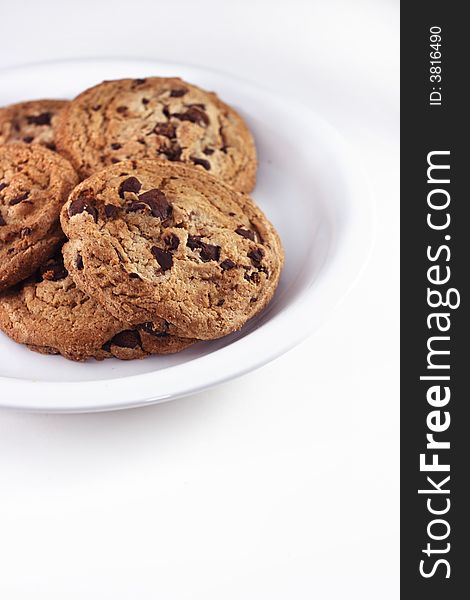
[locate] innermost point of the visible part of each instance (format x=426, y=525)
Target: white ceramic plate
x=309, y=185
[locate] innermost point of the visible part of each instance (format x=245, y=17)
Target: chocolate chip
x=115, y=160
x=3, y=186
x=28, y=139
x=134, y=275
x=132, y=184
x=139, y=81
x=51, y=146
x=172, y=241
x=164, y=258
x=145, y=101
x=25, y=231
x=96, y=107
x=209, y=252
x=121, y=109
x=84, y=203
x=116, y=146
x=201, y=161
x=150, y=329
x=221, y=302
x=194, y=241
x=54, y=270
x=135, y=206
x=166, y=112
x=173, y=153
x=256, y=256
x=166, y=129
x=227, y=264
x=79, y=262
x=231, y=214
x=178, y=92
x=42, y=119
x=250, y=235
x=110, y=210
x=208, y=151
x=2, y=220
x=194, y=115
x=254, y=277
x=157, y=202
x=126, y=339
x=19, y=199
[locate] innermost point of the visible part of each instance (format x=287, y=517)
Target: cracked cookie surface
x=34, y=184
x=154, y=239
x=156, y=117
x=31, y=122
x=51, y=315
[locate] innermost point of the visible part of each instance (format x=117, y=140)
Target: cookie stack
x=125, y=225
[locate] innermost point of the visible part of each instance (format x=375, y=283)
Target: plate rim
x=357, y=238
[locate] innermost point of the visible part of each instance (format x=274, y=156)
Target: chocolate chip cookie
x=157, y=117
x=51, y=315
x=34, y=184
x=154, y=239
x=31, y=122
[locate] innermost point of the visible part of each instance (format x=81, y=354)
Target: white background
x=284, y=483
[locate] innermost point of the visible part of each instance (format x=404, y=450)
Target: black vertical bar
x=425, y=128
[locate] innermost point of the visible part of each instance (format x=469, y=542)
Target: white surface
x=315, y=194
x=284, y=483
